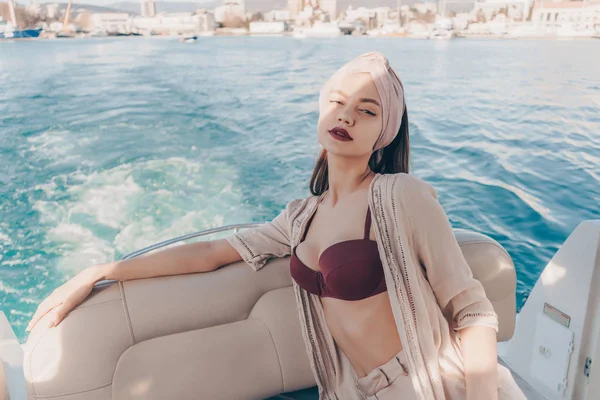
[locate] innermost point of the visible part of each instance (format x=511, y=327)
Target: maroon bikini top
x=349, y=270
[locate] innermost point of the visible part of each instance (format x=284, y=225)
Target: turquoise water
x=111, y=145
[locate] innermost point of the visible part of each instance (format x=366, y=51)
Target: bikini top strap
x=368, y=223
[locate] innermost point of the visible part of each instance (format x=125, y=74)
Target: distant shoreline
x=176, y=38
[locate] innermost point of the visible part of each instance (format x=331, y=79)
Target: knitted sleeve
x=269, y=240
x=460, y=296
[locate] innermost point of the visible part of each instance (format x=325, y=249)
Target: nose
x=345, y=115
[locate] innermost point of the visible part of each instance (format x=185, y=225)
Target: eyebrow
x=362, y=99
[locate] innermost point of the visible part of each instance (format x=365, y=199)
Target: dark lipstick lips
x=340, y=131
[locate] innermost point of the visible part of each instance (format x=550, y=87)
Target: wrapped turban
x=389, y=87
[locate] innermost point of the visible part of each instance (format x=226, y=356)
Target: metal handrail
x=234, y=227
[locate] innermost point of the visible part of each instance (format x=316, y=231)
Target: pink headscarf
x=389, y=86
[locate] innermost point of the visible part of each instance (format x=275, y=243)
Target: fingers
x=41, y=311
x=59, y=314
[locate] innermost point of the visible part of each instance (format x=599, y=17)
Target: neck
x=347, y=176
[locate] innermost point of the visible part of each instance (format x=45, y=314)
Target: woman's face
x=352, y=104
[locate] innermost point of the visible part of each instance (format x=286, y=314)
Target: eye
x=335, y=101
x=368, y=112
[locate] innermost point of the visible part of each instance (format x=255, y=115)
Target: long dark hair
x=391, y=159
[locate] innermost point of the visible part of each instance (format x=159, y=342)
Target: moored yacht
x=10, y=30
x=441, y=34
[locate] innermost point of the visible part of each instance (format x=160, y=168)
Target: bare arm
x=480, y=354
x=183, y=259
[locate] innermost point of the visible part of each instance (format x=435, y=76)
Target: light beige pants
x=389, y=381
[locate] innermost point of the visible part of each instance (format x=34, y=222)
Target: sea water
x=109, y=145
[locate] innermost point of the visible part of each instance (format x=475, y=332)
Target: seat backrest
x=188, y=336
x=494, y=268
x=227, y=334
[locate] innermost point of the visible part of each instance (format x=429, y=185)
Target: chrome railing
x=234, y=227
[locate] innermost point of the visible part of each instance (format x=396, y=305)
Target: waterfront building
x=34, y=9
x=516, y=10
x=445, y=7
x=111, y=22
x=583, y=15
x=278, y=15
x=268, y=28
x=318, y=29
x=368, y=16
x=235, y=7
x=461, y=21
x=304, y=17
x=206, y=21
x=183, y=23
x=230, y=9
x=148, y=8
x=425, y=7
x=383, y=14
x=52, y=11
x=295, y=7
x=329, y=7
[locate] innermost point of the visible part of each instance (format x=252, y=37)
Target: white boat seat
x=494, y=268
x=229, y=334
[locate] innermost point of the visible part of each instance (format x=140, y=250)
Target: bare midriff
x=364, y=330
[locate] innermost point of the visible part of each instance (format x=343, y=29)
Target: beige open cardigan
x=432, y=290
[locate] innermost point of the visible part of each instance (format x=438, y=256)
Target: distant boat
x=123, y=34
x=65, y=35
x=20, y=34
x=441, y=34
x=319, y=29
x=98, y=33
x=9, y=30
x=188, y=39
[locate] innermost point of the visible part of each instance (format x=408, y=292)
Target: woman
x=404, y=317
